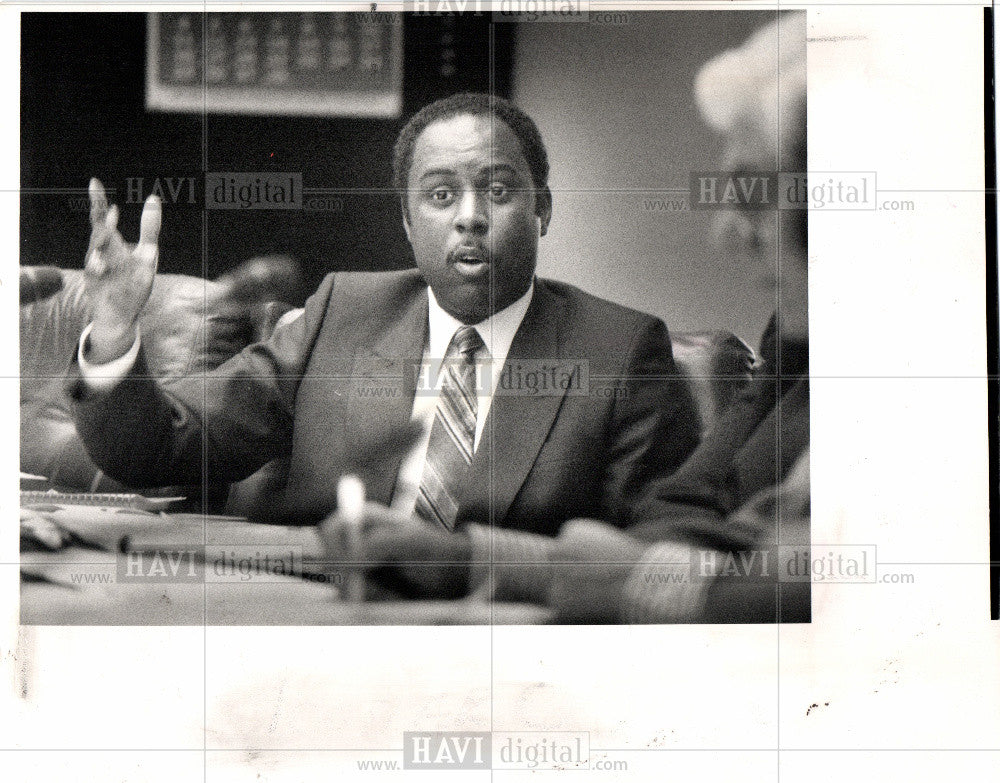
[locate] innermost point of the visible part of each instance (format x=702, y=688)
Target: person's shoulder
x=402, y=278
x=603, y=330
x=587, y=311
x=373, y=286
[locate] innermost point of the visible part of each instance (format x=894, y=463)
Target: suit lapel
x=517, y=425
x=386, y=367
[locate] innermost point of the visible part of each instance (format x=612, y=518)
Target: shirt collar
x=497, y=331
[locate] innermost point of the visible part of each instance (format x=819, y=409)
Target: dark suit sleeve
x=692, y=504
x=654, y=422
x=220, y=426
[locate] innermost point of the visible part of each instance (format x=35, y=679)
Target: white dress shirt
x=104, y=377
x=497, y=333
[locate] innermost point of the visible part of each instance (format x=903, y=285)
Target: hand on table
x=782, y=514
x=118, y=276
x=39, y=532
x=400, y=552
x=591, y=561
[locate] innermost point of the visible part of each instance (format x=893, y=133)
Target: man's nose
x=472, y=213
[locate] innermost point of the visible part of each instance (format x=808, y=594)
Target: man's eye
x=499, y=191
x=441, y=194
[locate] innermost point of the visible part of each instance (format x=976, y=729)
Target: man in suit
x=745, y=489
x=535, y=401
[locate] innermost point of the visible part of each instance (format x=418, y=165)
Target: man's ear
x=543, y=209
x=406, y=218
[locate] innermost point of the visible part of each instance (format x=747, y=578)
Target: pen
x=351, y=505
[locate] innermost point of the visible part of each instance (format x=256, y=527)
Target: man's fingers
x=105, y=241
x=106, y=246
x=98, y=202
x=95, y=264
x=376, y=515
x=385, y=546
x=109, y=253
x=146, y=256
x=147, y=251
x=149, y=225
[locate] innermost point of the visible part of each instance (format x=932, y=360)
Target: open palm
x=118, y=275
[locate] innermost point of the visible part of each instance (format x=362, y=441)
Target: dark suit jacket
x=330, y=389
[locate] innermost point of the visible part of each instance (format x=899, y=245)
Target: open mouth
x=471, y=262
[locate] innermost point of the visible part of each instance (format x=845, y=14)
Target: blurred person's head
x=472, y=173
x=755, y=96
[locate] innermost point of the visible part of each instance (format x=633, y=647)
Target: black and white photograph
x=526, y=351
x=501, y=389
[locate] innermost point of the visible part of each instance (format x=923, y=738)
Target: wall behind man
x=615, y=105
x=83, y=115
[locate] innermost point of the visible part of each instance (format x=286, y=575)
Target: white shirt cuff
x=104, y=377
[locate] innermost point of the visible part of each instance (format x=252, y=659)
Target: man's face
x=474, y=216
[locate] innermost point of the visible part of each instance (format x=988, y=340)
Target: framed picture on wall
x=301, y=63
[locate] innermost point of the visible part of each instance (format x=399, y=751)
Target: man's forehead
x=467, y=138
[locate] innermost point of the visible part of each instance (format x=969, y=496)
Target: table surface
x=79, y=585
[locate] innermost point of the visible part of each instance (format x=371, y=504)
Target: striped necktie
x=453, y=433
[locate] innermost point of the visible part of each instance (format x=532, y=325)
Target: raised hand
x=118, y=275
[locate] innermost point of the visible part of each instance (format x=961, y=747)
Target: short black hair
x=477, y=104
